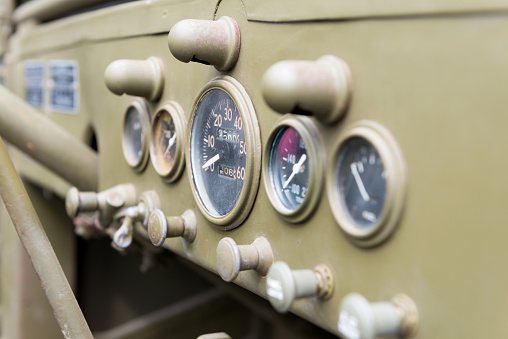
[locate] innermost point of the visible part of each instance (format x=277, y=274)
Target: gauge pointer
x=359, y=182
x=170, y=143
x=296, y=168
x=211, y=161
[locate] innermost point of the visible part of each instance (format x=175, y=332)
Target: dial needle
x=296, y=168
x=171, y=142
x=211, y=161
x=359, y=182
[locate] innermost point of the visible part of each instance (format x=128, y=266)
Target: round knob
x=144, y=78
x=359, y=319
x=284, y=286
x=76, y=201
x=321, y=88
x=231, y=258
x=215, y=43
x=161, y=227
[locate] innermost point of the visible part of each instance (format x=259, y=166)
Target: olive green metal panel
x=437, y=83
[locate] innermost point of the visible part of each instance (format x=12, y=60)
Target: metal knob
x=321, y=88
x=284, y=286
x=161, y=227
x=215, y=43
x=144, y=78
x=359, y=319
x=231, y=258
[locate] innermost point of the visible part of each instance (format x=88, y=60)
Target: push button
x=161, y=227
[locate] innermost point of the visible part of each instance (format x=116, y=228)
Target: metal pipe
x=49, y=9
x=39, y=250
x=47, y=142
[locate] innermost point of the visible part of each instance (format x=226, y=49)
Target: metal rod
x=39, y=250
x=50, y=144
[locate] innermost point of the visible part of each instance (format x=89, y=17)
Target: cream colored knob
x=144, y=78
x=284, y=286
x=215, y=43
x=321, y=88
x=161, y=227
x=231, y=258
x=76, y=202
x=359, y=319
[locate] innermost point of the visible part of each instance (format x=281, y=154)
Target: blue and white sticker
x=64, y=86
x=34, y=83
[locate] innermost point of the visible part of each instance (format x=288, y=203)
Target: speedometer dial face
x=294, y=170
x=222, y=151
x=166, y=149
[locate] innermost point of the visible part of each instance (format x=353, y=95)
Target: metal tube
x=39, y=250
x=47, y=142
x=49, y=9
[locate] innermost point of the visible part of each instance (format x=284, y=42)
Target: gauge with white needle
x=293, y=167
x=166, y=150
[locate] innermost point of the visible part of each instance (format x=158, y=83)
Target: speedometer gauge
x=224, y=152
x=293, y=169
x=368, y=182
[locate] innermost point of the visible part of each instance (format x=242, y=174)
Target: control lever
x=107, y=202
x=360, y=319
x=284, y=285
x=148, y=201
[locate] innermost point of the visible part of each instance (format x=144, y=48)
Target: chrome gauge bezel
x=137, y=164
x=396, y=183
x=177, y=114
x=308, y=132
x=250, y=186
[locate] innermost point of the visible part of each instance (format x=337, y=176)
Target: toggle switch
x=215, y=43
x=284, y=286
x=143, y=78
x=321, y=88
x=107, y=202
x=231, y=258
x=148, y=201
x=161, y=227
x=360, y=319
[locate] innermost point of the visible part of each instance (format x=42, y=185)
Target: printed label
x=274, y=289
x=64, y=84
x=348, y=325
x=34, y=83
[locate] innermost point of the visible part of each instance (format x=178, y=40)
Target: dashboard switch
x=144, y=78
x=215, y=43
x=321, y=88
x=231, y=258
x=284, y=286
x=161, y=227
x=359, y=319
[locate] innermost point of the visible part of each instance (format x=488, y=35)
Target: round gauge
x=136, y=131
x=368, y=183
x=166, y=150
x=293, y=170
x=225, y=153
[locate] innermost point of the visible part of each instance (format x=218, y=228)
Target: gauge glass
x=361, y=180
x=164, y=142
x=133, y=134
x=288, y=168
x=218, y=152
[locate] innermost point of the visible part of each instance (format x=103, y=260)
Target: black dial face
x=133, y=131
x=164, y=143
x=218, y=152
x=288, y=168
x=361, y=179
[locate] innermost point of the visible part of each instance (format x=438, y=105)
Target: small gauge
x=368, y=183
x=225, y=154
x=293, y=170
x=166, y=150
x=136, y=131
